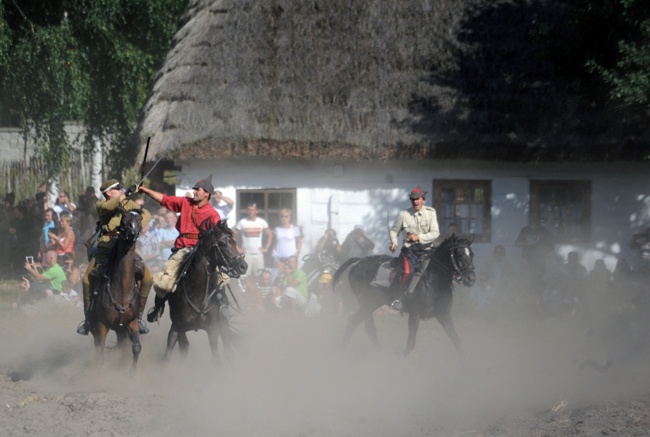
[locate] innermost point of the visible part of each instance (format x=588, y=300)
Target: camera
x=29, y=259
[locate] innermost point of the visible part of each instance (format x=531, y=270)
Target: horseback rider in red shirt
x=193, y=212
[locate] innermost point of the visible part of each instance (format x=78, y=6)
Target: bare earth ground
x=521, y=376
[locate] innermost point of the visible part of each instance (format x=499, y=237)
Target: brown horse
x=117, y=305
x=200, y=300
x=432, y=296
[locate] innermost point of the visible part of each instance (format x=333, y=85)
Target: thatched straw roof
x=352, y=79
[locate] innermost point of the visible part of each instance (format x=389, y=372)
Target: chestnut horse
x=432, y=296
x=117, y=305
x=200, y=301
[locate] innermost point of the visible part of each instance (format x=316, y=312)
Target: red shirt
x=190, y=219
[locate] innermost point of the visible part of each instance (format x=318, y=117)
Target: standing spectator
x=623, y=286
x=7, y=235
x=63, y=241
x=641, y=242
x=356, y=244
x=536, y=243
x=574, y=280
x=148, y=248
x=64, y=204
x=494, y=279
x=222, y=204
x=328, y=250
x=86, y=214
x=256, y=238
x=167, y=235
x=598, y=293
x=50, y=225
x=287, y=239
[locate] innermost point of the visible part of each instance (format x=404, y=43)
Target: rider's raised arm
x=155, y=195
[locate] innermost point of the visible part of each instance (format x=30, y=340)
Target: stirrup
x=155, y=313
x=142, y=327
x=396, y=305
x=83, y=328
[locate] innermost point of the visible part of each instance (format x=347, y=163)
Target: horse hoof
x=83, y=328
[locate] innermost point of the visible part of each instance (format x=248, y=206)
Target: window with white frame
x=465, y=203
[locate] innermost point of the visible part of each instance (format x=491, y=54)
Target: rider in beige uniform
x=109, y=221
x=417, y=224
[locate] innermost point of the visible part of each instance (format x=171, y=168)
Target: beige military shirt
x=110, y=222
x=424, y=223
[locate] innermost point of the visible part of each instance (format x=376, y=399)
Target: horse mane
x=208, y=227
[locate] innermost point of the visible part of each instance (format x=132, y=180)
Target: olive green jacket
x=110, y=221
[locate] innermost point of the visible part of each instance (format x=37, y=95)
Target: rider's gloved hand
x=132, y=189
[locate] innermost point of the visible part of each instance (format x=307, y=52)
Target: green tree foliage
x=605, y=45
x=86, y=60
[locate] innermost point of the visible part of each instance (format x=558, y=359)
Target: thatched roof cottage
x=337, y=109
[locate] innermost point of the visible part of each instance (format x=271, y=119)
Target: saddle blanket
x=382, y=277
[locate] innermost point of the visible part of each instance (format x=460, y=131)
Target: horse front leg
x=172, y=339
x=100, y=332
x=448, y=325
x=136, y=347
x=414, y=324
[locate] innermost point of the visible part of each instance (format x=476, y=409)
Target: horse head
x=462, y=260
x=222, y=249
x=130, y=225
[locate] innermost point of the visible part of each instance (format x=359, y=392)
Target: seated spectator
x=292, y=283
x=69, y=294
x=42, y=283
x=63, y=241
x=72, y=272
x=264, y=289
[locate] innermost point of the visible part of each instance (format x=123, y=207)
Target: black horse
x=117, y=305
x=200, y=298
x=432, y=297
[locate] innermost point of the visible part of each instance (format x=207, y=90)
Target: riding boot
x=142, y=327
x=84, y=326
x=158, y=309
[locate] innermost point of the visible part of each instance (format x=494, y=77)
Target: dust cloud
x=290, y=377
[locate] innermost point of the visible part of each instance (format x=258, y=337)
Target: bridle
x=217, y=253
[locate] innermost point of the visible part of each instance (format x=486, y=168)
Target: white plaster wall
x=365, y=194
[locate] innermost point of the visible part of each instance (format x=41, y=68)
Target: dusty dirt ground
x=521, y=375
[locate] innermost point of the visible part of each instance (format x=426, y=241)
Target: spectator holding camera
x=41, y=283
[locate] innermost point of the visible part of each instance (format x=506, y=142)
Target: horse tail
x=341, y=269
